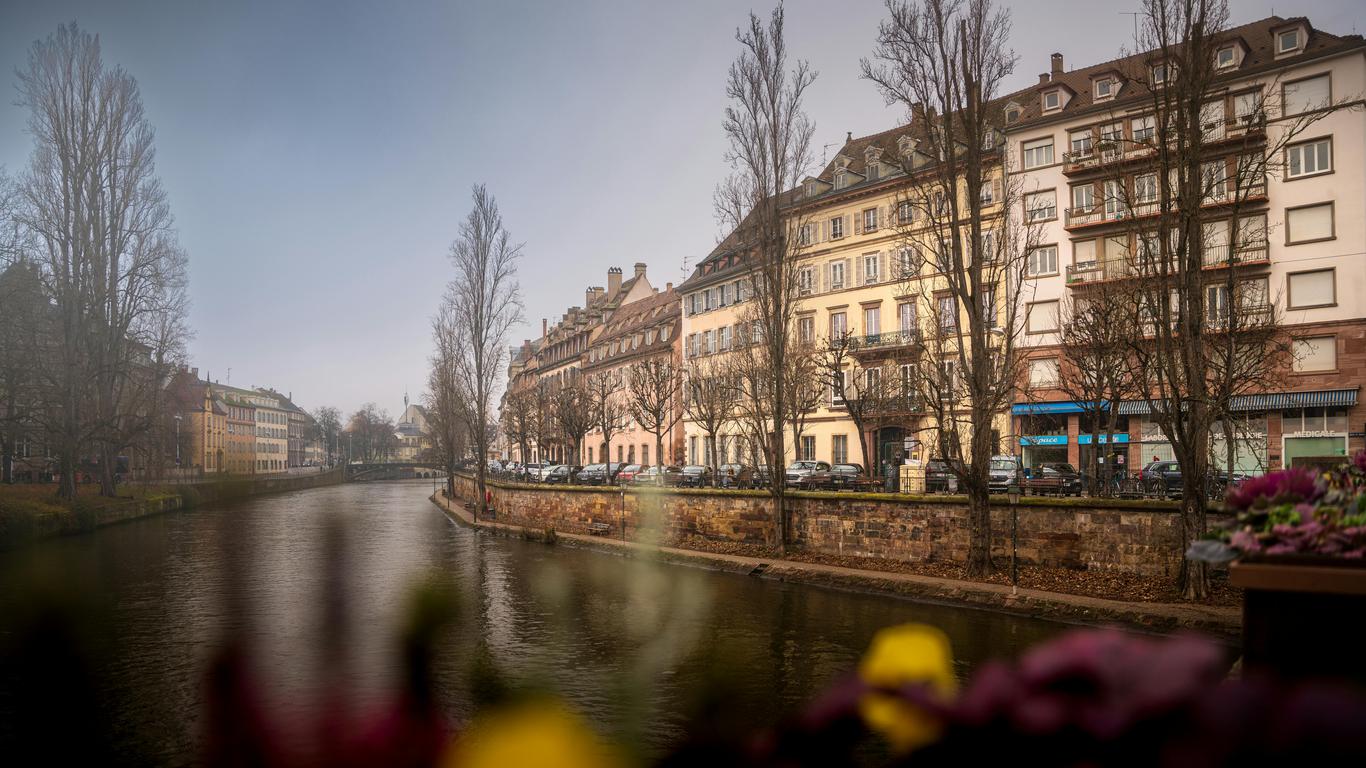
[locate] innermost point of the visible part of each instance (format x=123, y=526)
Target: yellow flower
x=904, y=655
x=540, y=732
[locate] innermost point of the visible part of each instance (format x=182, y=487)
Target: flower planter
x=1301, y=614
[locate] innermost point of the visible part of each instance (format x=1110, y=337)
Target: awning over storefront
x=1270, y=401
x=1035, y=409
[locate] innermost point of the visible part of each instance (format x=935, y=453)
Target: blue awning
x=1120, y=437
x=1269, y=401
x=1043, y=440
x=1035, y=409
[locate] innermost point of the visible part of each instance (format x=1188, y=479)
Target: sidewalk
x=1157, y=617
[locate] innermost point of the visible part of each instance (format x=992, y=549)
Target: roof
x=661, y=311
x=1269, y=401
x=1257, y=40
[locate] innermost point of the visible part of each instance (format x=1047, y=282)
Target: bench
x=599, y=529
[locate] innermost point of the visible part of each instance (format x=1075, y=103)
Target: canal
x=628, y=642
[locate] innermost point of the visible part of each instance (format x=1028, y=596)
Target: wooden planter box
x=1303, y=617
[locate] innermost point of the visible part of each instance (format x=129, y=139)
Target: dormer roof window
x=1225, y=57
x=872, y=172
x=1289, y=40
x=1052, y=100
x=1012, y=112
x=841, y=178
x=1105, y=89
x=1159, y=73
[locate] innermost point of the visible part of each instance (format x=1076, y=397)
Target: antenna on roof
x=229, y=378
x=824, y=149
x=1135, y=15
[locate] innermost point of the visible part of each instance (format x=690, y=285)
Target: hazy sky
x=319, y=156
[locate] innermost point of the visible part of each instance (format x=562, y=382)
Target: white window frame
x=1296, y=154
x=1037, y=153
x=836, y=227
x=1328, y=343
x=1280, y=41
x=1039, y=264
x=872, y=321
x=871, y=268
x=1054, y=96
x=806, y=280
x=1036, y=213
x=869, y=220
x=1109, y=84
x=1219, y=62
x=837, y=275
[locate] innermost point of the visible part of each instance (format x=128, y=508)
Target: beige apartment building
x=1082, y=145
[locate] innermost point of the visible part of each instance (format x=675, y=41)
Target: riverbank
x=30, y=513
x=1224, y=621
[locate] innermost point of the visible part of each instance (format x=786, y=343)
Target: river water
x=628, y=642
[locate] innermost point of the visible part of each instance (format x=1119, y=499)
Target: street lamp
x=1013, y=493
x=177, y=441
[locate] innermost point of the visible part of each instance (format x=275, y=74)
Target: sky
x=319, y=156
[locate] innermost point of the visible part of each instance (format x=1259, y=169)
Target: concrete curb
x=1224, y=622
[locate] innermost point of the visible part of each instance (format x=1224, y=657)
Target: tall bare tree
x=483, y=302
x=608, y=411
x=371, y=434
x=653, y=389
x=516, y=415
x=328, y=420
x=114, y=272
x=945, y=61
x=573, y=413
x=769, y=138
x=710, y=400
x=803, y=389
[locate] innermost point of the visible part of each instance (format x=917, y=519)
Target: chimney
x=544, y=328
x=848, y=136
x=668, y=287
x=613, y=281
x=1043, y=78
x=194, y=372
x=640, y=269
x=1057, y=64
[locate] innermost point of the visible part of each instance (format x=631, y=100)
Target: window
x=805, y=280
x=987, y=296
x=839, y=324
x=872, y=380
x=808, y=448
x=836, y=275
x=1247, y=106
x=839, y=449
x=804, y=234
x=709, y=340
x=1042, y=261
x=948, y=379
x=1159, y=72
x=988, y=193
x=1012, y=115
x=1052, y=100
x=1305, y=95
x=1038, y=153
x=1308, y=224
x=709, y=298
x=1105, y=89
x=806, y=329
x=1309, y=159
x=872, y=173
x=1223, y=58
x=837, y=228
x=724, y=334
x=1041, y=317
x=870, y=220
x=1145, y=188
x=1041, y=206
x=905, y=316
x=1306, y=290
x=948, y=314
x=721, y=293
x=1288, y=41
x=1216, y=304
x=907, y=263
x=1316, y=353
x=1114, y=199
x=1043, y=372
x=1083, y=198
x=1081, y=144
x=1142, y=129
x=905, y=213
x=872, y=321
x=870, y=268
x=839, y=384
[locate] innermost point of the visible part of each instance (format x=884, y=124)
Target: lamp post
x=1014, y=494
x=177, y=441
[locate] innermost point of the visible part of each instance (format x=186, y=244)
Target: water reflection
x=631, y=643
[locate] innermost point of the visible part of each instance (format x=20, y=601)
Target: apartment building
x=202, y=422
x=869, y=273
x=239, y=444
x=1082, y=143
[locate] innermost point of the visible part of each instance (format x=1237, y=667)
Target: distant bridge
x=392, y=470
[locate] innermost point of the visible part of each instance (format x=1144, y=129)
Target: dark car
x=563, y=474
x=800, y=469
x=735, y=476
x=763, y=477
x=1163, y=478
x=665, y=476
x=939, y=477
x=628, y=472
x=839, y=477
x=1054, y=479
x=1004, y=472
x=598, y=474
x=696, y=476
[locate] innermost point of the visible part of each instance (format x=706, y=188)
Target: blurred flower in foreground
x=906, y=655
x=540, y=732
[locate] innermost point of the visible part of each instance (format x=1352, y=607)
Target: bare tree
x=769, y=139
x=802, y=389
x=573, y=413
x=113, y=270
x=609, y=415
x=710, y=400
x=371, y=433
x=328, y=420
x=544, y=429
x=866, y=392
x=517, y=417
x=944, y=61
x=483, y=302
x=652, y=398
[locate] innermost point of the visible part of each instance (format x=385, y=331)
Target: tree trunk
x=108, y=462
x=979, y=531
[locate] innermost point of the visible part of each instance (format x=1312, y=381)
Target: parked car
x=839, y=477
x=665, y=476
x=800, y=469
x=628, y=472
x=1054, y=479
x=531, y=473
x=1004, y=472
x=564, y=474
x=598, y=474
x=735, y=476
x=1163, y=478
x=696, y=476
x=939, y=477
x=763, y=476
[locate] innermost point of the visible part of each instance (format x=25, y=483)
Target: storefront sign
x=1043, y=440
x=1120, y=437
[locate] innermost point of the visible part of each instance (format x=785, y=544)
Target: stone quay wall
x=1140, y=537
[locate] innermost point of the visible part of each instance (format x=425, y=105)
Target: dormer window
x=1224, y=58
x=1159, y=74
x=1012, y=113
x=841, y=179
x=1052, y=100
x=1105, y=89
x=1288, y=41
x=810, y=187
x=905, y=145
x=873, y=171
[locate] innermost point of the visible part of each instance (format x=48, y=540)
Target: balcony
x=1108, y=153
x=1250, y=317
x=1251, y=253
x=888, y=340
x=886, y=405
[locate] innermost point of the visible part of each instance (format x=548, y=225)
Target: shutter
x=823, y=232
x=858, y=224
x=825, y=278
x=884, y=266
x=849, y=279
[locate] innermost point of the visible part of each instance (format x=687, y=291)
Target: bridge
x=392, y=470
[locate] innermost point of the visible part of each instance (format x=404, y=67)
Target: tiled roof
x=1256, y=37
